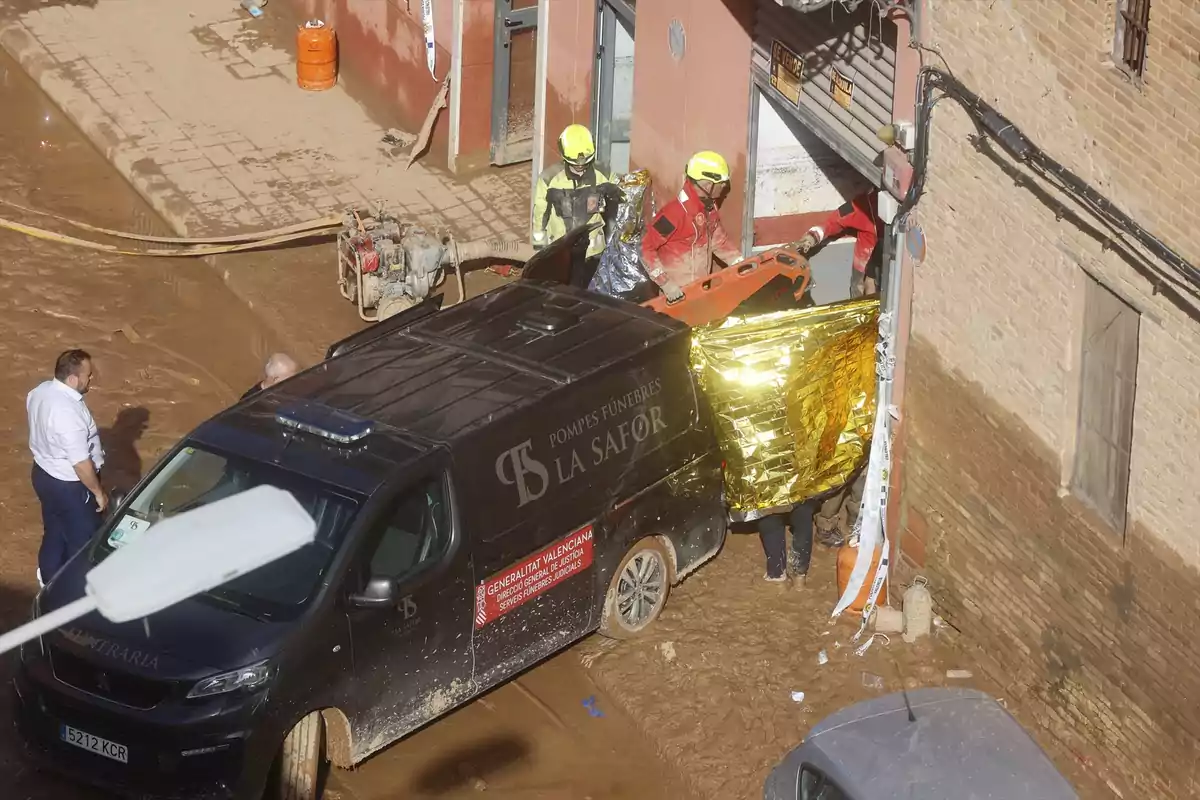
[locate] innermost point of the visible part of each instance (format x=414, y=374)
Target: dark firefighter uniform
x=569, y=193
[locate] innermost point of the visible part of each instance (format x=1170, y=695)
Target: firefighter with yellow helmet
x=685, y=235
x=570, y=192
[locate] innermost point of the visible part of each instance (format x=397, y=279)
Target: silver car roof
x=963, y=745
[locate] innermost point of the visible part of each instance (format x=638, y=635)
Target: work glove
x=672, y=292
x=805, y=244
x=669, y=288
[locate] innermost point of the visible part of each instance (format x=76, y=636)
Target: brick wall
x=1093, y=638
x=1095, y=625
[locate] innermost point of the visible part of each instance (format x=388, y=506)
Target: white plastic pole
x=46, y=623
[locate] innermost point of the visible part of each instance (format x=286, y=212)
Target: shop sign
x=787, y=72
x=842, y=88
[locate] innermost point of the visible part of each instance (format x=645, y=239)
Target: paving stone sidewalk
x=196, y=104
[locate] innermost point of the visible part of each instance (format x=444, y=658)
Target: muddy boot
x=779, y=580
x=830, y=532
x=796, y=571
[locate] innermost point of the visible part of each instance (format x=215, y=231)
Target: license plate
x=94, y=744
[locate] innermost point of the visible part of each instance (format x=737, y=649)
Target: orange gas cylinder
x=316, y=56
x=846, y=557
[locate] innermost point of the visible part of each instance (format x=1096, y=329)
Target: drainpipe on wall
x=456, y=41
x=899, y=291
x=539, y=97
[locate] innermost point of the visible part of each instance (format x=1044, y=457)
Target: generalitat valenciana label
x=539, y=573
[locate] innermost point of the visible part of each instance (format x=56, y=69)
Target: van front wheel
x=638, y=590
x=300, y=760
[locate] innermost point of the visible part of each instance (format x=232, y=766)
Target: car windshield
x=194, y=477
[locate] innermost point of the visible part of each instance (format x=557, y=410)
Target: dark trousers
x=772, y=531
x=69, y=518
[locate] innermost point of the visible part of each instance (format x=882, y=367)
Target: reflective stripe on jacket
x=558, y=192
x=859, y=216
x=683, y=238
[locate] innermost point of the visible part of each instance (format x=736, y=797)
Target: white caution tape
x=427, y=24
x=868, y=529
x=862, y=649
x=871, y=527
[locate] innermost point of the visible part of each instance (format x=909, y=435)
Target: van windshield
x=194, y=477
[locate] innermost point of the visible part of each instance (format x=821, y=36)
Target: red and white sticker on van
x=537, y=574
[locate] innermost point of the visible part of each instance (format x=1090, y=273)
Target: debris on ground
x=865, y=646
x=668, y=651
x=888, y=620
x=872, y=681
x=959, y=674
x=439, y=102
x=797, y=697
x=505, y=270
x=822, y=658
x=398, y=138
x=918, y=610
x=589, y=703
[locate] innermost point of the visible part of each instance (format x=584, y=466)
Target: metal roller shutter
x=834, y=70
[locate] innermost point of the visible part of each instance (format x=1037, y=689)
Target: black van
x=491, y=482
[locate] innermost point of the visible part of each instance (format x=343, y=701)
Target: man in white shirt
x=67, y=458
x=279, y=367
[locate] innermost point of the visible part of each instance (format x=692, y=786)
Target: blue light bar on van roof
x=328, y=423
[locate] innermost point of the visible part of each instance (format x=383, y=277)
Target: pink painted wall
x=475, y=90
x=701, y=102
x=569, y=69
x=381, y=43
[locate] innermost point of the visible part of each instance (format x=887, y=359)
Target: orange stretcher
x=764, y=277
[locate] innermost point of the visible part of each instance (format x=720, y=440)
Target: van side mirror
x=114, y=502
x=378, y=593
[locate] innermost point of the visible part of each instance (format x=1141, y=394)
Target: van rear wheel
x=638, y=590
x=301, y=759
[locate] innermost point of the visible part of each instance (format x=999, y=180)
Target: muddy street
x=175, y=340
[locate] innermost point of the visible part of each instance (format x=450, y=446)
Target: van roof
x=451, y=372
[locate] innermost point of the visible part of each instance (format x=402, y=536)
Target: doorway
x=613, y=107
x=794, y=179
x=514, y=81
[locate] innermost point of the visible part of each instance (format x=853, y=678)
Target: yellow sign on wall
x=842, y=88
x=787, y=72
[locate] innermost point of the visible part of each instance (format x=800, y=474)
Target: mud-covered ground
x=175, y=341
x=707, y=695
x=713, y=679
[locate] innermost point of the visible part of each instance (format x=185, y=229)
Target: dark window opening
x=814, y=785
x=1133, y=32
x=417, y=535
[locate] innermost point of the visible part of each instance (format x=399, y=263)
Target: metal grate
x=1133, y=31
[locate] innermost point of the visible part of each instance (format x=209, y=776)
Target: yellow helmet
x=708, y=166
x=576, y=145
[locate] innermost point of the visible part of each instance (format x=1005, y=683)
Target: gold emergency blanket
x=793, y=394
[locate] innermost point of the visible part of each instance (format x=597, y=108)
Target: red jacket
x=860, y=217
x=684, y=236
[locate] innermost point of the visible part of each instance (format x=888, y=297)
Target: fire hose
x=331, y=221
x=209, y=246
x=458, y=253
x=455, y=252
